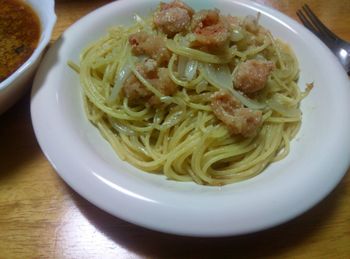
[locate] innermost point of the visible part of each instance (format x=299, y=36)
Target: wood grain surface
x=41, y=217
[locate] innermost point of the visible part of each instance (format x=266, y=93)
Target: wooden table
x=41, y=217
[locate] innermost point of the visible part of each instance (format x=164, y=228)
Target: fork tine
x=317, y=22
x=307, y=23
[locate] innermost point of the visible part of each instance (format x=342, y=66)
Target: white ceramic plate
x=319, y=157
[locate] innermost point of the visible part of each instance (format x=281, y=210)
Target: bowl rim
x=45, y=36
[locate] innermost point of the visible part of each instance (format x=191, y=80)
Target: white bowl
x=15, y=85
x=318, y=159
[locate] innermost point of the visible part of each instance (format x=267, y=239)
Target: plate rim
x=139, y=202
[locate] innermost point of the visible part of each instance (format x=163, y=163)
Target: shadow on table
x=18, y=142
x=275, y=241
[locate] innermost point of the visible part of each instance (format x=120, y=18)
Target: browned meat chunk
x=238, y=119
x=233, y=21
x=210, y=29
x=163, y=82
x=205, y=18
x=151, y=45
x=137, y=93
x=177, y=4
x=150, y=68
x=173, y=17
x=250, y=23
x=252, y=75
x=214, y=35
x=134, y=90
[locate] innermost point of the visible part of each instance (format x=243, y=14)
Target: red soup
x=19, y=35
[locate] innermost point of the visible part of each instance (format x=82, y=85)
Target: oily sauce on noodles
x=19, y=35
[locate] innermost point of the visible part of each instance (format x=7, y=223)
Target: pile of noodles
x=183, y=139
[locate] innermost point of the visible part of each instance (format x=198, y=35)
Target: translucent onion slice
x=122, y=128
x=119, y=81
x=139, y=19
x=172, y=119
x=237, y=34
x=196, y=54
x=181, y=66
x=186, y=68
x=191, y=69
x=220, y=77
x=277, y=105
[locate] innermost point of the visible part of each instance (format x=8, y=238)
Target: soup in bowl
x=25, y=31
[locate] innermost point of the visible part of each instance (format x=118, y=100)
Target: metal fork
x=338, y=46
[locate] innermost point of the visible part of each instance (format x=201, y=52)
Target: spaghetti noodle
x=196, y=96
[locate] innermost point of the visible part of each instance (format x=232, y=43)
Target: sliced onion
x=220, y=77
x=173, y=118
x=277, y=105
x=158, y=116
x=186, y=68
x=237, y=35
x=181, y=66
x=118, y=84
x=247, y=101
x=122, y=128
x=166, y=99
x=138, y=19
x=191, y=69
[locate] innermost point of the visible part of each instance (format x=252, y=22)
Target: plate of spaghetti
x=203, y=119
